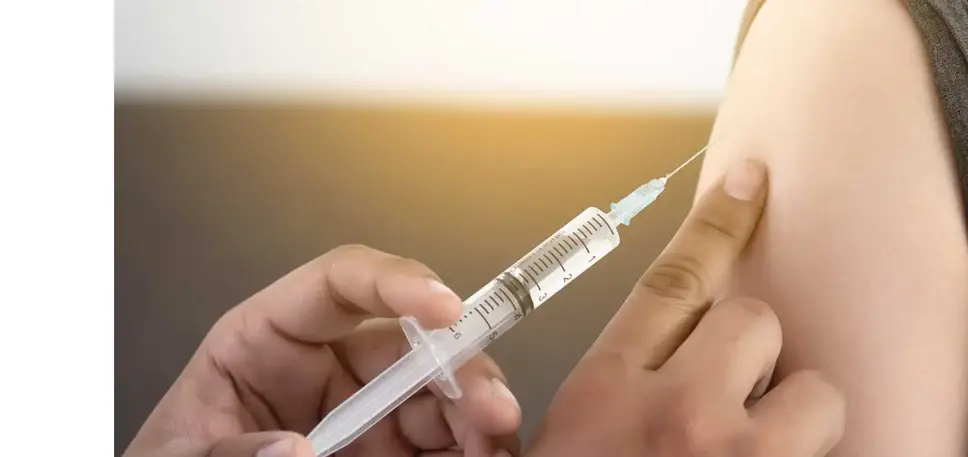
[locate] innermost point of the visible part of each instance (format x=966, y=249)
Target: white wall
x=573, y=51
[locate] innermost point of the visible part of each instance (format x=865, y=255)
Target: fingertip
x=745, y=180
x=450, y=302
x=442, y=307
x=303, y=447
x=428, y=300
x=508, y=408
x=263, y=444
x=490, y=406
x=287, y=444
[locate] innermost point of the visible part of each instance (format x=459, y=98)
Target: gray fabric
x=944, y=27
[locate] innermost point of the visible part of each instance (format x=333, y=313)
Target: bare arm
x=862, y=250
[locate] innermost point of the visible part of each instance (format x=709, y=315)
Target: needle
x=690, y=160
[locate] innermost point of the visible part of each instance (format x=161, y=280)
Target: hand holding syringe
x=488, y=313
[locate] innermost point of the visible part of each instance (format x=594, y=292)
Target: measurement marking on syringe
x=543, y=263
x=533, y=271
x=606, y=223
x=559, y=262
x=564, y=251
x=589, y=227
x=585, y=245
x=482, y=317
x=533, y=280
x=503, y=296
x=556, y=249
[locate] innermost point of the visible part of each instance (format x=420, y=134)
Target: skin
x=664, y=379
x=297, y=349
x=862, y=250
x=674, y=374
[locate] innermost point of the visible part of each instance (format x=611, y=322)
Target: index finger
x=328, y=297
x=676, y=290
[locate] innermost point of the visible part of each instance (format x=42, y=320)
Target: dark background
x=216, y=200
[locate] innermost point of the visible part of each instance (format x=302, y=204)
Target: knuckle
x=684, y=427
x=755, y=307
x=750, y=319
x=679, y=277
x=814, y=383
x=676, y=425
x=808, y=379
x=756, y=312
x=412, y=265
x=346, y=249
x=408, y=267
x=357, y=254
x=340, y=254
x=326, y=265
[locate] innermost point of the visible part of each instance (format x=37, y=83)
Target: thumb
x=263, y=444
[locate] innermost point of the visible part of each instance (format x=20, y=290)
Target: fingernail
x=744, y=179
x=439, y=288
x=500, y=390
x=281, y=448
x=502, y=453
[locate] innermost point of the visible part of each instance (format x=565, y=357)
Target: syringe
x=488, y=313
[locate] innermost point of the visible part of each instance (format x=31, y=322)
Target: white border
x=56, y=195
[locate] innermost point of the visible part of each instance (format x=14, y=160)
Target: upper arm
x=862, y=249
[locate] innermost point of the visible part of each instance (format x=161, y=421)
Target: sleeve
x=944, y=29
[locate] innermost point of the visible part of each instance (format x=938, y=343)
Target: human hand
x=273, y=366
x=668, y=378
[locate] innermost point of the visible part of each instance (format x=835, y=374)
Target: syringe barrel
x=516, y=292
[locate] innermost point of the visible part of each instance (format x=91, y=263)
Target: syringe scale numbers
x=490, y=312
x=544, y=271
x=523, y=287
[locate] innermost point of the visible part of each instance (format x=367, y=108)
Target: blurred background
x=252, y=136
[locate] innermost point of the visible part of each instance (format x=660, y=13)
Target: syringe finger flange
x=418, y=337
x=487, y=314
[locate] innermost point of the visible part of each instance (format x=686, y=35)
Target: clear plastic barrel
x=522, y=288
x=490, y=312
